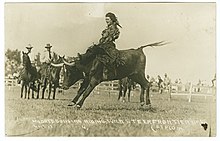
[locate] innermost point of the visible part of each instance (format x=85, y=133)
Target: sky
x=72, y=27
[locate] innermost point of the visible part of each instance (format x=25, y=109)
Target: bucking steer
x=133, y=68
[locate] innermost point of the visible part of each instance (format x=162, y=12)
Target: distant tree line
x=13, y=55
x=12, y=62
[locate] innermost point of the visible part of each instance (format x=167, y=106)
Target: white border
x=2, y=104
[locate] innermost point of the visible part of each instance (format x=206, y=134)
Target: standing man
x=166, y=82
x=160, y=84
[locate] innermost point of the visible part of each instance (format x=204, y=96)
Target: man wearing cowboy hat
x=45, y=59
x=47, y=54
x=29, y=48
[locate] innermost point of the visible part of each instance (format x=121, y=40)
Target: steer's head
x=71, y=74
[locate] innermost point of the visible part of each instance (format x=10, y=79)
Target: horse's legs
x=25, y=90
x=43, y=91
x=50, y=87
x=33, y=86
x=44, y=87
x=120, y=93
x=29, y=89
x=22, y=88
x=161, y=89
x=124, y=93
x=54, y=91
x=38, y=90
x=92, y=84
x=140, y=78
x=129, y=93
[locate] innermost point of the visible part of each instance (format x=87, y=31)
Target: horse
x=133, y=68
x=28, y=76
x=125, y=85
x=50, y=75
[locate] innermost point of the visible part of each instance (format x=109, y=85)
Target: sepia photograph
x=128, y=69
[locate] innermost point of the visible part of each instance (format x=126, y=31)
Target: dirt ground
x=103, y=115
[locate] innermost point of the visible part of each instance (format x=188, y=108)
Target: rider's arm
x=110, y=34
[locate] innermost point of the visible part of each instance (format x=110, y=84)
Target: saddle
x=106, y=53
x=112, y=56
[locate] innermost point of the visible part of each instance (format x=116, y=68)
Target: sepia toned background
x=72, y=27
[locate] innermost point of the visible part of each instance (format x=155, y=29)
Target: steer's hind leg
x=140, y=79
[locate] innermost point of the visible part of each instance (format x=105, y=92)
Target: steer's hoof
x=78, y=107
x=142, y=104
x=148, y=106
x=71, y=104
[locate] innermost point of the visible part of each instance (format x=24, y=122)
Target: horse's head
x=26, y=59
x=56, y=68
x=58, y=59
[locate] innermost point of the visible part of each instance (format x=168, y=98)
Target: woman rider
x=111, y=32
x=110, y=57
x=109, y=35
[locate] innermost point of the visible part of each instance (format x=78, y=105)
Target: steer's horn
x=69, y=64
x=57, y=65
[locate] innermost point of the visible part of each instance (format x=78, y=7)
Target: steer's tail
x=154, y=44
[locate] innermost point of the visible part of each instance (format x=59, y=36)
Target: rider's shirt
x=45, y=57
x=110, y=34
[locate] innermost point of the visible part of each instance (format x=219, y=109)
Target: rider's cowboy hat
x=29, y=47
x=48, y=46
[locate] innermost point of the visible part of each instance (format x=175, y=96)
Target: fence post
x=190, y=92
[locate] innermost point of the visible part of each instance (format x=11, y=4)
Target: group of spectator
x=45, y=57
x=161, y=83
x=13, y=65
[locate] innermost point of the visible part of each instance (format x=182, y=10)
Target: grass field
x=103, y=115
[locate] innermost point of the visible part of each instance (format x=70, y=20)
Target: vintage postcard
x=110, y=69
